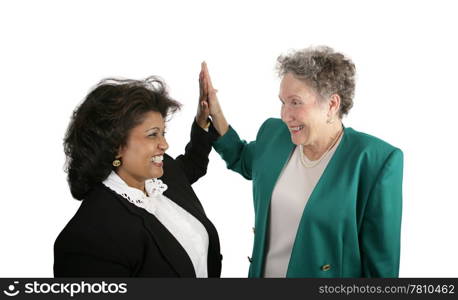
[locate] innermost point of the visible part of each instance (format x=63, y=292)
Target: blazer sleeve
x=381, y=227
x=88, y=255
x=86, y=265
x=237, y=153
x=194, y=161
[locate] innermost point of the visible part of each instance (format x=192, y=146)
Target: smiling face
x=302, y=110
x=143, y=153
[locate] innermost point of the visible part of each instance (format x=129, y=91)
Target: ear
x=120, y=152
x=334, y=105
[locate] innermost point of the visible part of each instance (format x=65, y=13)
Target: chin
x=157, y=174
x=298, y=140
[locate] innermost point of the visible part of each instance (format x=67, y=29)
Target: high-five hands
x=209, y=104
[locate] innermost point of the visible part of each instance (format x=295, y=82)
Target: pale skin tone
x=313, y=121
x=146, y=141
x=316, y=118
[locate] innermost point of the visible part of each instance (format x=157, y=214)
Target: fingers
x=203, y=91
x=207, y=75
x=203, y=71
x=209, y=101
x=201, y=86
x=205, y=108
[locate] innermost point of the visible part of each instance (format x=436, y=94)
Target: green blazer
x=351, y=224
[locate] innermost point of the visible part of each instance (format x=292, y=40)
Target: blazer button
x=249, y=259
x=326, y=267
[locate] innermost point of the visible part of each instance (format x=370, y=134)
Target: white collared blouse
x=186, y=229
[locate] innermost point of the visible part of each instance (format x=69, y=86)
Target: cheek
x=288, y=113
x=138, y=154
x=314, y=114
x=132, y=160
x=302, y=116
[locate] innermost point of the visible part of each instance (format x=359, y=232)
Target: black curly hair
x=101, y=125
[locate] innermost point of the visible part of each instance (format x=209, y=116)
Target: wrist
x=217, y=115
x=203, y=123
x=220, y=124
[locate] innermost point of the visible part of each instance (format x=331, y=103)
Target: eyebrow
x=290, y=96
x=153, y=128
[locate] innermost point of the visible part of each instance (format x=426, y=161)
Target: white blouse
x=186, y=229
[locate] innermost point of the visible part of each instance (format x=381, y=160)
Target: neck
x=328, y=138
x=132, y=181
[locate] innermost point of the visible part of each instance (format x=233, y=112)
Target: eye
x=154, y=134
x=296, y=102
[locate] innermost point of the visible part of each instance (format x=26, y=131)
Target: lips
x=157, y=160
x=296, y=129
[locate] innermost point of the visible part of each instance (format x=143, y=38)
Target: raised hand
x=210, y=91
x=210, y=100
x=203, y=110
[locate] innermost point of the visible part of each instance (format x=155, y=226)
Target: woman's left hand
x=203, y=110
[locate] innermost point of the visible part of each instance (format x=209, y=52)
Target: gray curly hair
x=327, y=71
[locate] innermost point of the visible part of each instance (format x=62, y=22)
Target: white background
x=53, y=52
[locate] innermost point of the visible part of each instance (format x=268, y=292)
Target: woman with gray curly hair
x=327, y=198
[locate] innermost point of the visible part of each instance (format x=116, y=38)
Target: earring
x=329, y=120
x=116, y=163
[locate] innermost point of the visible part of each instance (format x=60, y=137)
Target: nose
x=163, y=145
x=286, y=114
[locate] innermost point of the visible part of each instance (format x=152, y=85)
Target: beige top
x=289, y=197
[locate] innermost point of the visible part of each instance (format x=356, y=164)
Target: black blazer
x=111, y=237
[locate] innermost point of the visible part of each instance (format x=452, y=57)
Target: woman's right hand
x=208, y=93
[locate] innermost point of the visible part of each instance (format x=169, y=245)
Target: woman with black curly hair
x=130, y=222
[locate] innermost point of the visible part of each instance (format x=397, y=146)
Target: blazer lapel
x=180, y=196
x=274, y=159
x=179, y=190
x=183, y=196
x=327, y=183
x=170, y=248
